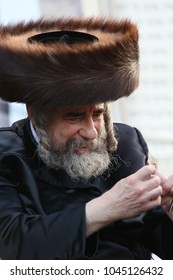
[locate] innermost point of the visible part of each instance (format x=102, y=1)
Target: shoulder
x=10, y=140
x=124, y=129
x=131, y=153
x=128, y=135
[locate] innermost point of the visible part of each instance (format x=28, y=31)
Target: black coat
x=42, y=212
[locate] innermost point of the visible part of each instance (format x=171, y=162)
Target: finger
x=151, y=195
x=154, y=193
x=169, y=181
x=152, y=183
x=166, y=190
x=162, y=178
x=146, y=172
x=168, y=186
x=153, y=203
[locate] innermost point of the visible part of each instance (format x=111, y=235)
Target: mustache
x=74, y=143
x=95, y=145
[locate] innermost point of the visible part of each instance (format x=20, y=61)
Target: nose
x=88, y=130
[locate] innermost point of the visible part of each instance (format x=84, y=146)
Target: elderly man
x=72, y=184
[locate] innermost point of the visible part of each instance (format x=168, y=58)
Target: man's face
x=80, y=122
x=76, y=141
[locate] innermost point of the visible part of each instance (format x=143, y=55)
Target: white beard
x=77, y=165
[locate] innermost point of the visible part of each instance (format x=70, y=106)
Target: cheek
x=54, y=134
x=61, y=134
x=56, y=138
x=69, y=130
x=99, y=126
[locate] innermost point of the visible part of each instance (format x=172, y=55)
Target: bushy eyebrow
x=75, y=114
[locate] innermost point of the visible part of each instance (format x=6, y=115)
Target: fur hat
x=99, y=64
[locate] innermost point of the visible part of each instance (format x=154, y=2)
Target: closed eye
x=98, y=113
x=74, y=116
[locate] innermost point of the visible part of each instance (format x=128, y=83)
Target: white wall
x=150, y=108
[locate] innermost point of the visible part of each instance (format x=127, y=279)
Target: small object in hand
x=171, y=207
x=152, y=161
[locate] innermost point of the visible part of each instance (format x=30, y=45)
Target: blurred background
x=150, y=108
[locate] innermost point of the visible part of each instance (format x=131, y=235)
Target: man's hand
x=129, y=197
x=135, y=194
x=167, y=196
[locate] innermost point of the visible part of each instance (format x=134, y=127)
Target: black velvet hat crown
x=68, y=62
